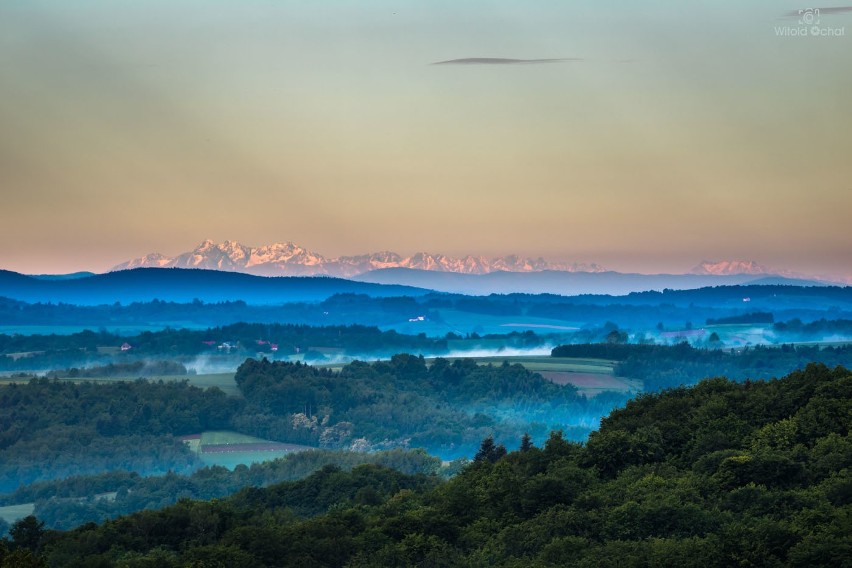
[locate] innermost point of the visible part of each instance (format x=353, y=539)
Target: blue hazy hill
x=565, y=283
x=71, y=276
x=185, y=285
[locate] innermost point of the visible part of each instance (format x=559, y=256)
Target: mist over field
x=502, y=352
x=240, y=404
x=205, y=365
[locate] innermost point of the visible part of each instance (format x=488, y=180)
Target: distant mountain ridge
x=71, y=276
x=176, y=285
x=568, y=283
x=290, y=259
x=731, y=267
x=185, y=285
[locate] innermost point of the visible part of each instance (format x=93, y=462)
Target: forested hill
x=666, y=366
x=720, y=474
x=51, y=429
x=244, y=340
x=329, y=301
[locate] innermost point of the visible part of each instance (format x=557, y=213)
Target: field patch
x=548, y=363
x=223, y=381
x=227, y=437
x=590, y=376
x=12, y=513
x=591, y=384
x=229, y=449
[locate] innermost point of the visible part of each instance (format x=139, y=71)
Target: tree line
x=52, y=428
x=665, y=366
x=231, y=343
x=71, y=502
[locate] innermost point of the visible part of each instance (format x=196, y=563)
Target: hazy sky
x=666, y=132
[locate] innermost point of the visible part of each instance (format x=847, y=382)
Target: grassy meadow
x=230, y=449
x=12, y=513
x=590, y=376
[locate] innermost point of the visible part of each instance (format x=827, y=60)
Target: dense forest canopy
x=70, y=502
x=723, y=473
x=445, y=407
x=51, y=428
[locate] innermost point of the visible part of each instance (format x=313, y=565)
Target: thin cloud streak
x=503, y=61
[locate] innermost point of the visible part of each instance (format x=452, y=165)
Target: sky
x=644, y=136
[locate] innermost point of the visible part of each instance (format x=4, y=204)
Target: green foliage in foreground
x=722, y=474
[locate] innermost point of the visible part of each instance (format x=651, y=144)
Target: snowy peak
x=289, y=259
x=282, y=254
x=153, y=260
x=225, y=256
x=729, y=267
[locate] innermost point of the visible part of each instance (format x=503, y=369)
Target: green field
x=12, y=513
x=590, y=376
x=244, y=449
x=591, y=384
x=548, y=363
x=225, y=381
x=228, y=437
x=10, y=380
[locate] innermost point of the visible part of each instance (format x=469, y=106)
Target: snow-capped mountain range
x=289, y=259
x=730, y=267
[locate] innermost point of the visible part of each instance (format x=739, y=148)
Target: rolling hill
x=565, y=283
x=184, y=285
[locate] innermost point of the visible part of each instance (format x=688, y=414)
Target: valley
x=184, y=399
